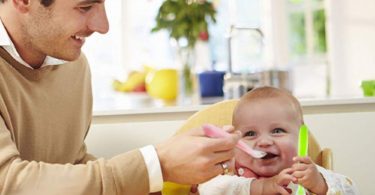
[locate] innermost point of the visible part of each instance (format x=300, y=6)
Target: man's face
x=60, y=29
x=270, y=125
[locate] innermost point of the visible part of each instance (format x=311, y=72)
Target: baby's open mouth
x=269, y=156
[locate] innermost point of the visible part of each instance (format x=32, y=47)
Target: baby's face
x=270, y=125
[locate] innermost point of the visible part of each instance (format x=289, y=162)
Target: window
x=294, y=36
x=104, y=53
x=141, y=47
x=155, y=49
x=129, y=44
x=241, y=21
x=307, y=47
x=306, y=28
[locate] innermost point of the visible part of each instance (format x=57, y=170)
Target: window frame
x=280, y=31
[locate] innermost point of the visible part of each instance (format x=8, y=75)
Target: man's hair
x=269, y=92
x=46, y=3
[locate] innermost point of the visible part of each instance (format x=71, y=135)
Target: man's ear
x=22, y=5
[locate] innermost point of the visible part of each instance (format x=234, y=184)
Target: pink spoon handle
x=215, y=132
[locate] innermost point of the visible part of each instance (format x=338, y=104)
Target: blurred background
x=325, y=47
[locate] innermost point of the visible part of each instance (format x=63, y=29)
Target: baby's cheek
x=290, y=147
x=290, y=151
x=241, y=157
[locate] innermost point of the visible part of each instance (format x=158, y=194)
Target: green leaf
x=184, y=20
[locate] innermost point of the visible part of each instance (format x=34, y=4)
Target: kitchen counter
x=141, y=107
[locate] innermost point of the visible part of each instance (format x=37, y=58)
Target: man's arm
x=123, y=174
x=337, y=183
x=84, y=157
x=187, y=154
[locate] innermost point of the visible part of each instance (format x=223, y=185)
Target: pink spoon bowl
x=216, y=132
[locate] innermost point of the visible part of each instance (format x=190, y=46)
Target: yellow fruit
x=162, y=84
x=135, y=79
x=118, y=85
x=147, y=69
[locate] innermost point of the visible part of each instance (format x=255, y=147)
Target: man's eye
x=278, y=131
x=85, y=8
x=250, y=133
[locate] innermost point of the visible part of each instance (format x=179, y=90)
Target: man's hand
x=274, y=185
x=192, y=158
x=308, y=175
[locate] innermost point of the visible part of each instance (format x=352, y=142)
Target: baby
x=269, y=119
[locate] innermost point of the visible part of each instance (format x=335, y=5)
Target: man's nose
x=99, y=21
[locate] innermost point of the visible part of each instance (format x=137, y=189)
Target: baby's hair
x=268, y=92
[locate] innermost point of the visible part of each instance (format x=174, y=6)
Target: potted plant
x=186, y=21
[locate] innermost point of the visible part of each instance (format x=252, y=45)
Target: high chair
x=220, y=114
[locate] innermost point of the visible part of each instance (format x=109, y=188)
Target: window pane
x=246, y=50
x=319, y=32
x=297, y=37
x=296, y=1
x=141, y=46
x=104, y=53
x=247, y=12
x=218, y=36
x=244, y=13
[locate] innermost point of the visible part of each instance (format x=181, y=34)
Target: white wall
x=351, y=42
x=351, y=138
x=107, y=140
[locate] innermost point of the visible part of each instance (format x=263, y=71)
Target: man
x=45, y=112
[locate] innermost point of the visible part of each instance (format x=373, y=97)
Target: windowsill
x=141, y=103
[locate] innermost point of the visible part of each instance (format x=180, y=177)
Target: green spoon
x=303, y=145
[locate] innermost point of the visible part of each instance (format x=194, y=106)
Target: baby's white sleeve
x=226, y=185
x=337, y=183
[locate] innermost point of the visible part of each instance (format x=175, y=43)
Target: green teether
x=303, y=145
x=303, y=141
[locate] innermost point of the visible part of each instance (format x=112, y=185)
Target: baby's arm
x=337, y=183
x=225, y=185
x=234, y=185
x=321, y=181
x=273, y=185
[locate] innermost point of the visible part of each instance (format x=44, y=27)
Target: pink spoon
x=213, y=131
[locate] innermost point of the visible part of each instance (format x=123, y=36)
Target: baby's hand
x=307, y=175
x=276, y=184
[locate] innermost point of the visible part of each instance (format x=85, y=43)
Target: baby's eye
x=278, y=131
x=250, y=133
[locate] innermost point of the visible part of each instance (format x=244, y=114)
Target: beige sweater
x=45, y=115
